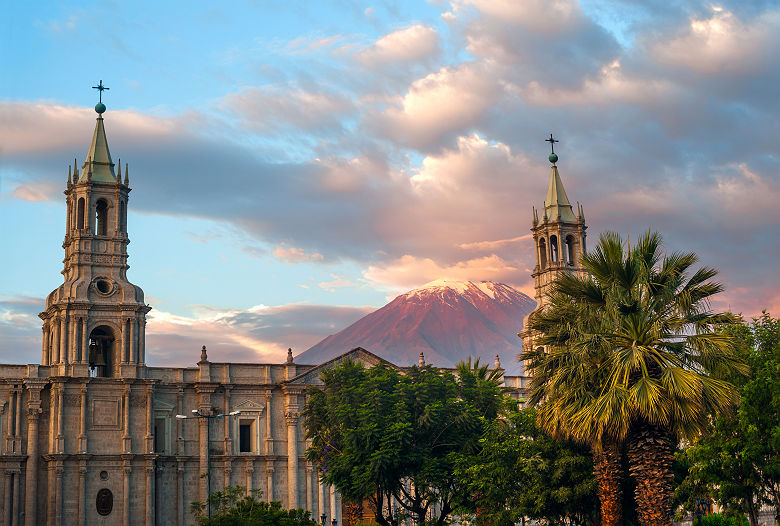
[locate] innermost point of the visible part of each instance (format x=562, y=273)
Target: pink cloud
x=722, y=43
x=415, y=43
x=293, y=255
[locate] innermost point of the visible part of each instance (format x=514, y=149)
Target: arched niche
x=554, y=249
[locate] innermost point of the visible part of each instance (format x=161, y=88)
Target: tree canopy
x=393, y=437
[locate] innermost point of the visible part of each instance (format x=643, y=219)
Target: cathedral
x=93, y=435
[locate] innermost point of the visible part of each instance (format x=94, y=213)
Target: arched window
x=122, y=218
x=80, y=213
x=101, y=213
x=554, y=249
x=570, y=250
x=542, y=253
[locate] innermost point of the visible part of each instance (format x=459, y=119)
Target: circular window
x=104, y=475
x=104, y=502
x=103, y=286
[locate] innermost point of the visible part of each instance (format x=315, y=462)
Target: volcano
x=448, y=321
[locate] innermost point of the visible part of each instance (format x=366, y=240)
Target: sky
x=296, y=165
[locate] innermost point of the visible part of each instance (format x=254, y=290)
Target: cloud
x=413, y=44
x=409, y=271
x=258, y=334
x=722, y=43
x=293, y=255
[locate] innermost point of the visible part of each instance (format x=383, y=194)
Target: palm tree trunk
x=608, y=471
x=650, y=457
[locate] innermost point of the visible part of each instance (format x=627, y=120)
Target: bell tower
x=94, y=323
x=559, y=241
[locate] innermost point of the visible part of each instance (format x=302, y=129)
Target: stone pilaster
x=269, y=473
x=34, y=387
x=127, y=470
x=83, y=498
x=150, y=491
x=83, y=420
x=250, y=471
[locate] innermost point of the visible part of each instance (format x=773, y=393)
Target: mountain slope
x=446, y=320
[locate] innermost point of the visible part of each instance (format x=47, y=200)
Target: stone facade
x=90, y=436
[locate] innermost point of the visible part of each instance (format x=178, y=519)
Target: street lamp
x=197, y=413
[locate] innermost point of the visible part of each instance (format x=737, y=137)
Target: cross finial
x=552, y=143
x=100, y=87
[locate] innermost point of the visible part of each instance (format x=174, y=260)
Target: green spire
x=99, y=158
x=557, y=205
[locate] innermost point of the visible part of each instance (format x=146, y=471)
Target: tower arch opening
x=101, y=352
x=570, y=249
x=554, y=249
x=542, y=253
x=101, y=215
x=80, y=214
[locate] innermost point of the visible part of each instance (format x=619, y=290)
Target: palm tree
x=632, y=356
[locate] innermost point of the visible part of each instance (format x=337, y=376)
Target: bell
x=96, y=358
x=100, y=360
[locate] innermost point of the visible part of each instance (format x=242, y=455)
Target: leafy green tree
x=633, y=355
x=234, y=507
x=738, y=462
x=392, y=437
x=521, y=471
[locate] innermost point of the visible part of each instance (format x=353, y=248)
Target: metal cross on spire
x=100, y=87
x=550, y=140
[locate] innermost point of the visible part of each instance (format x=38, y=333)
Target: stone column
x=56, y=343
x=84, y=341
x=269, y=438
x=150, y=492
x=64, y=339
x=205, y=391
x=228, y=469
x=309, y=496
x=126, y=438
x=180, y=509
x=228, y=422
x=125, y=355
x=52, y=419
x=34, y=387
x=7, y=496
x=60, y=417
x=142, y=341
x=250, y=470
x=45, y=344
x=179, y=422
x=83, y=492
x=269, y=471
x=59, y=470
x=323, y=497
x=83, y=420
x=133, y=356
x=127, y=469
x=18, y=422
x=292, y=459
x=149, y=418
x=74, y=339
x=333, y=510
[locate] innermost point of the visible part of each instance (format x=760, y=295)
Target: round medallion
x=104, y=502
x=104, y=475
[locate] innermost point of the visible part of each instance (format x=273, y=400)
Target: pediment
x=358, y=354
x=162, y=405
x=249, y=405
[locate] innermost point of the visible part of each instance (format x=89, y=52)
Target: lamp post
x=196, y=413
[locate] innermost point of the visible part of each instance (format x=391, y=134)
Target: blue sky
x=294, y=166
